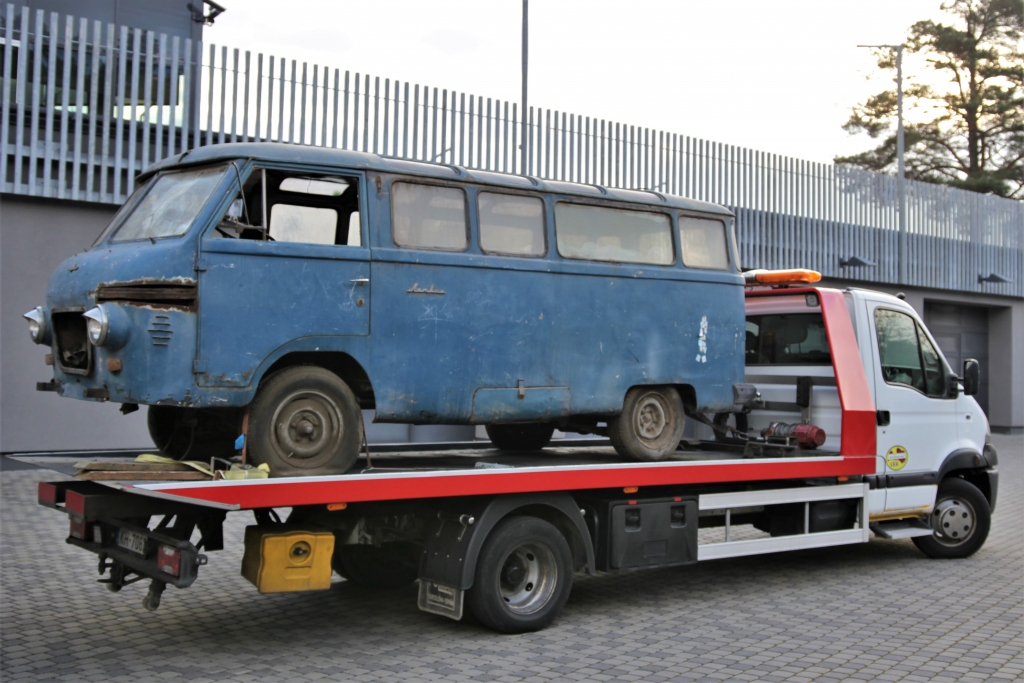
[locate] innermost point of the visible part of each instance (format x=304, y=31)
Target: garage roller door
x=962, y=332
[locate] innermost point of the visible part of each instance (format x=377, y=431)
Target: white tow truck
x=855, y=423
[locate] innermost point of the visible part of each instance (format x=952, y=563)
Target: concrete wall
x=35, y=236
x=1005, y=345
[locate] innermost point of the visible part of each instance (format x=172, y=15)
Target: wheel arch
x=970, y=465
x=451, y=557
x=342, y=364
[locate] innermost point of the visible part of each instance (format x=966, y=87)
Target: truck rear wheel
x=523, y=576
x=650, y=425
x=961, y=520
x=521, y=437
x=305, y=421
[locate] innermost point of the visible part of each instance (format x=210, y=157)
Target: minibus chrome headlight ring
x=97, y=325
x=38, y=330
x=106, y=326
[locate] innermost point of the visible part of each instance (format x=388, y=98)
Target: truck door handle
x=882, y=418
x=360, y=280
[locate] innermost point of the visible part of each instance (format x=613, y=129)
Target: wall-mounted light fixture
x=994, y=278
x=855, y=262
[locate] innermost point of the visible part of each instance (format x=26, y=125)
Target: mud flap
x=440, y=599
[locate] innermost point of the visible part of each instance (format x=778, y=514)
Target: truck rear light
x=47, y=493
x=79, y=528
x=168, y=560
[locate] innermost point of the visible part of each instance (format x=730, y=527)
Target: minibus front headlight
x=108, y=326
x=97, y=325
x=37, y=327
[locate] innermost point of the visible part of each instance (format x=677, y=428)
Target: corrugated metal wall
x=86, y=106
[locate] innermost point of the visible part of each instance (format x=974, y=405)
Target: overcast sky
x=779, y=76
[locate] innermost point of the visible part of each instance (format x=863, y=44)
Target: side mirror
x=972, y=376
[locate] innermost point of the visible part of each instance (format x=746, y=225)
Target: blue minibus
x=279, y=290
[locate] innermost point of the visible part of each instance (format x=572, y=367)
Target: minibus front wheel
x=304, y=421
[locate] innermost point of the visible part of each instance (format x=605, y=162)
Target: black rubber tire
x=531, y=436
x=486, y=600
x=194, y=433
x=954, y=492
x=660, y=410
x=297, y=399
x=392, y=565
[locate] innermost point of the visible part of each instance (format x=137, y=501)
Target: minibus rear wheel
x=650, y=425
x=304, y=421
x=531, y=436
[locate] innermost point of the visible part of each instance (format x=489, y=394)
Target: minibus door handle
x=360, y=280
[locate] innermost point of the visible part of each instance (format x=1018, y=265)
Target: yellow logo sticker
x=897, y=458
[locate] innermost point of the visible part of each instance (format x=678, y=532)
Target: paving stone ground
x=878, y=611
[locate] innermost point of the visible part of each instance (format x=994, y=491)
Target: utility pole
x=523, y=113
x=901, y=180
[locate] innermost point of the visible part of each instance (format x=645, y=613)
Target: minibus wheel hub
x=650, y=417
x=308, y=425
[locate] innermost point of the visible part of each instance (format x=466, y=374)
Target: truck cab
x=931, y=434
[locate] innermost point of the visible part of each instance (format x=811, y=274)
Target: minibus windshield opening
x=170, y=204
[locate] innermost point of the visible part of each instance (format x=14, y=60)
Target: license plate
x=130, y=540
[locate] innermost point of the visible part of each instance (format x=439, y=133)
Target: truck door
x=918, y=426
x=306, y=276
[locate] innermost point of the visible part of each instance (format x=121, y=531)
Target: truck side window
x=787, y=339
x=907, y=356
x=511, y=224
x=429, y=217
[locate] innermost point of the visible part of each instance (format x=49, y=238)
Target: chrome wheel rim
x=308, y=428
x=527, y=578
x=954, y=521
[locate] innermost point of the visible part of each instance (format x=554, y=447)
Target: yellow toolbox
x=282, y=557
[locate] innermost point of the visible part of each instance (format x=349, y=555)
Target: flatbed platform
x=405, y=475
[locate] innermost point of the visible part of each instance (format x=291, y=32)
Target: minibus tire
x=304, y=421
x=523, y=576
x=660, y=411
x=961, y=501
x=531, y=436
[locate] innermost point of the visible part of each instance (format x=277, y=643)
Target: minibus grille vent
x=158, y=294
x=74, y=352
x=160, y=330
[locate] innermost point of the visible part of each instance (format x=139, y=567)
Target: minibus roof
x=275, y=152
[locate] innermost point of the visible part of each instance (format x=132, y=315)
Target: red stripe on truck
x=357, y=488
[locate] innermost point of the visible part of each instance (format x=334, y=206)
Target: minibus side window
x=598, y=233
x=308, y=209
x=511, y=225
x=429, y=217
x=703, y=243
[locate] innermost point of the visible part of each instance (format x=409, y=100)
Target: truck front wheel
x=305, y=421
x=650, y=425
x=523, y=576
x=961, y=520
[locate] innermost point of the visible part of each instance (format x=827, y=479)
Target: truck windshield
x=169, y=205
x=791, y=339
